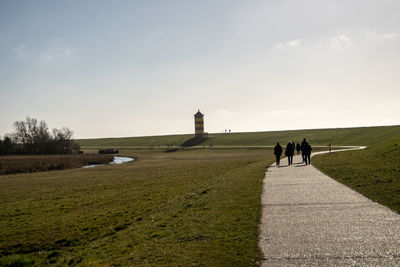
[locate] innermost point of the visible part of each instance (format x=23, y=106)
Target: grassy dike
x=166, y=209
x=374, y=171
x=322, y=137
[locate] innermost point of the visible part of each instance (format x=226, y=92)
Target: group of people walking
x=305, y=149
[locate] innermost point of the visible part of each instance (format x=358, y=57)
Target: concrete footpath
x=309, y=219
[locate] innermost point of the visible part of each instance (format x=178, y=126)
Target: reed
x=38, y=163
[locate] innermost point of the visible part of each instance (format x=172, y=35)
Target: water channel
x=117, y=160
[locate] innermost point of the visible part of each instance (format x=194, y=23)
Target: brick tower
x=199, y=124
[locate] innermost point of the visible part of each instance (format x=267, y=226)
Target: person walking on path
x=309, y=219
x=278, y=153
x=302, y=148
x=294, y=147
x=289, y=151
x=298, y=148
x=308, y=150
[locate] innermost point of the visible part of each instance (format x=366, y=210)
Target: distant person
x=278, y=153
x=294, y=146
x=308, y=150
x=302, y=148
x=289, y=151
x=298, y=148
x=330, y=148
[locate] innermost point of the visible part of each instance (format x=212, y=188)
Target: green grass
x=145, y=141
x=190, y=207
x=374, y=172
x=198, y=207
x=338, y=137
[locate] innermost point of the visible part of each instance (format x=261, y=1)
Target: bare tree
x=63, y=140
x=34, y=138
x=20, y=135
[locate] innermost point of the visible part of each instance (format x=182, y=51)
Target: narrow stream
x=117, y=160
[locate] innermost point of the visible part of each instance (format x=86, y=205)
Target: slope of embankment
x=322, y=137
x=374, y=171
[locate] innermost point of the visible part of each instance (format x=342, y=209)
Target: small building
x=199, y=124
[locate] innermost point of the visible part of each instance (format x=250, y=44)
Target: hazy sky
x=131, y=68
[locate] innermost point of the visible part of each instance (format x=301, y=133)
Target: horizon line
x=241, y=132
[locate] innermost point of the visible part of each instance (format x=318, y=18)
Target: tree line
x=31, y=137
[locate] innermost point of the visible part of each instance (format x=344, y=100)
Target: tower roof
x=199, y=114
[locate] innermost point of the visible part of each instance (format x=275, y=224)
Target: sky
x=138, y=68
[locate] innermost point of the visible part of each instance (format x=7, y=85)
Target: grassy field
x=198, y=207
x=146, y=141
x=37, y=163
x=338, y=137
x=374, y=172
x=190, y=207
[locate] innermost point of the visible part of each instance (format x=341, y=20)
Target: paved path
x=308, y=219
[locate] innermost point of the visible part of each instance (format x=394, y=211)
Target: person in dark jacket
x=278, y=153
x=308, y=150
x=294, y=146
x=298, y=148
x=289, y=151
x=302, y=148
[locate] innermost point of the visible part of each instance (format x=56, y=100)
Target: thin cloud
x=56, y=52
x=294, y=43
x=21, y=50
x=47, y=55
x=289, y=44
x=390, y=36
x=68, y=51
x=341, y=41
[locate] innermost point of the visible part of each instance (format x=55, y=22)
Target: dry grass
x=37, y=163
